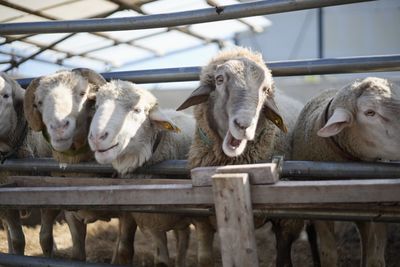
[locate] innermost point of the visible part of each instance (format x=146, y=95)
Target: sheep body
x=16, y=140
x=60, y=106
x=347, y=137
x=147, y=143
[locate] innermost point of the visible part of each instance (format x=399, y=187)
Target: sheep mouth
x=233, y=142
x=107, y=149
x=232, y=146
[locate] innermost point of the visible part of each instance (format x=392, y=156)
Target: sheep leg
x=327, y=243
x=15, y=235
x=182, y=245
x=313, y=242
x=373, y=243
x=286, y=232
x=161, y=255
x=124, y=249
x=78, y=235
x=47, y=219
x=205, y=239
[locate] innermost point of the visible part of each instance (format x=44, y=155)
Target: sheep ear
x=162, y=121
x=32, y=115
x=17, y=91
x=340, y=119
x=271, y=112
x=198, y=96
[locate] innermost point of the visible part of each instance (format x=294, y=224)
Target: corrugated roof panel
x=165, y=6
x=221, y=29
x=169, y=41
x=38, y=4
x=7, y=13
x=46, y=39
x=120, y=54
x=86, y=63
x=81, y=9
x=82, y=42
x=28, y=18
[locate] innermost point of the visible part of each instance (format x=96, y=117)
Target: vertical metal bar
x=320, y=25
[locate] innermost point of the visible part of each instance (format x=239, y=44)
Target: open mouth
x=233, y=142
x=107, y=149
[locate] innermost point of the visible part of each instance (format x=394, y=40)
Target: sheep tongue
x=233, y=141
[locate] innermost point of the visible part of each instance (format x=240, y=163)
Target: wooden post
x=235, y=219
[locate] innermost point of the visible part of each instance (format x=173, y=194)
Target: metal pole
x=320, y=26
x=312, y=170
x=169, y=167
x=171, y=19
x=28, y=261
x=279, y=68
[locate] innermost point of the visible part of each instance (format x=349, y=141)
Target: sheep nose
x=63, y=124
x=241, y=125
x=100, y=137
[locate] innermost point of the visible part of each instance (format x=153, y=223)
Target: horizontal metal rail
x=170, y=19
x=292, y=170
x=278, y=68
x=29, y=261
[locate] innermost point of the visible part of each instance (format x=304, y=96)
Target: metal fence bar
x=278, y=68
x=29, y=261
x=170, y=19
x=293, y=170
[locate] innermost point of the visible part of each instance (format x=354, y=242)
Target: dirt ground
x=102, y=235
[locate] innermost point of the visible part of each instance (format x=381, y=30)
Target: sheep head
x=366, y=114
x=126, y=118
x=11, y=101
x=239, y=89
x=59, y=104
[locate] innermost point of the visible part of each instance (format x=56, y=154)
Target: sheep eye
x=219, y=79
x=369, y=113
x=137, y=110
x=265, y=89
x=39, y=103
x=5, y=96
x=82, y=93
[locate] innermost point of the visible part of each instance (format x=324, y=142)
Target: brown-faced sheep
x=130, y=130
x=238, y=122
x=356, y=123
x=61, y=106
x=16, y=140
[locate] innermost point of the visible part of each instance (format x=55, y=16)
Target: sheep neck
x=18, y=137
x=331, y=141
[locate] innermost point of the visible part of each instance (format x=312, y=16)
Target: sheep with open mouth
x=238, y=122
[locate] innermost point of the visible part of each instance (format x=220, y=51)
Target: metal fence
x=381, y=185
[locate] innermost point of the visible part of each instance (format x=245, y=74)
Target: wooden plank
x=44, y=181
x=283, y=192
x=262, y=173
x=235, y=219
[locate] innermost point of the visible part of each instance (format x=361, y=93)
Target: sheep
x=356, y=123
x=60, y=106
x=235, y=88
x=15, y=141
x=130, y=130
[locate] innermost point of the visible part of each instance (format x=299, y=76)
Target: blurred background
x=362, y=29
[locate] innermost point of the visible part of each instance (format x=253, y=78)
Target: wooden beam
x=235, y=219
x=263, y=173
x=283, y=192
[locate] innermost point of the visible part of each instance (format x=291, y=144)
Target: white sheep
x=130, y=130
x=238, y=122
x=61, y=106
x=356, y=123
x=16, y=141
